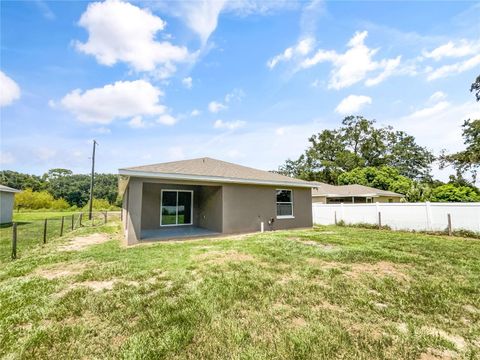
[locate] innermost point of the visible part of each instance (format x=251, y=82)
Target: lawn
x=331, y=292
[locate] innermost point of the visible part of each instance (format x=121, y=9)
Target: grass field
x=331, y=292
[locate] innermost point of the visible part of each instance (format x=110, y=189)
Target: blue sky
x=242, y=81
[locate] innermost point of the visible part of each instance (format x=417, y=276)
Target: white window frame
x=176, y=212
x=284, y=202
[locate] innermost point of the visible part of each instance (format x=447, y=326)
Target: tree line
x=61, y=189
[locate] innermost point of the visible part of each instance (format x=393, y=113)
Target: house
x=333, y=194
x=206, y=197
x=7, y=196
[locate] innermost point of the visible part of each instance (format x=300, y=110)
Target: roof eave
x=218, y=179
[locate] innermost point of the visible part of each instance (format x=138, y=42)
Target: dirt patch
x=471, y=309
x=81, y=242
x=286, y=278
x=381, y=269
x=324, y=247
x=457, y=340
x=325, y=305
x=221, y=257
x=299, y=322
x=98, y=285
x=356, y=270
x=61, y=270
x=435, y=354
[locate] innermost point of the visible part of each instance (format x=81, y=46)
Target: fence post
x=105, y=216
x=380, y=220
x=61, y=226
x=73, y=220
x=450, y=232
x=80, y=220
x=335, y=217
x=45, y=231
x=14, y=241
x=93, y=219
x=429, y=215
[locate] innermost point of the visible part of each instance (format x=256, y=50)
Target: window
x=284, y=204
x=176, y=207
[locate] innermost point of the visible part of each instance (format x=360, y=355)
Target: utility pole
x=91, y=182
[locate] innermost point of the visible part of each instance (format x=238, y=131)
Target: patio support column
x=134, y=214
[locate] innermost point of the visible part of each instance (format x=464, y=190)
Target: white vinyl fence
x=402, y=216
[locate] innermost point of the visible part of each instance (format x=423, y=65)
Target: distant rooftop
x=322, y=189
x=4, y=188
x=209, y=169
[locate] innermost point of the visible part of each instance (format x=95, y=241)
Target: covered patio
x=174, y=232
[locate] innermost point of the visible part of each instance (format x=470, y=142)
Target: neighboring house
x=7, y=196
x=203, y=197
x=333, y=194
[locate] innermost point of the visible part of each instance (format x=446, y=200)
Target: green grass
x=331, y=292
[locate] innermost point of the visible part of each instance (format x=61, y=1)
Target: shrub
x=60, y=204
x=100, y=204
x=452, y=193
x=29, y=199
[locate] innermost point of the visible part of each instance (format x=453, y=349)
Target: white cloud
x=430, y=110
x=437, y=96
x=230, y=125
x=429, y=124
x=167, y=119
x=352, y=104
x=119, y=31
x=122, y=99
x=6, y=158
x=195, y=112
x=235, y=96
x=302, y=48
x=10, y=91
x=201, y=16
x=137, y=122
x=280, y=131
x=187, y=82
x=461, y=48
x=456, y=68
x=354, y=65
x=215, y=107
x=390, y=66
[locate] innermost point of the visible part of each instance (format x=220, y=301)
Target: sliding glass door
x=176, y=208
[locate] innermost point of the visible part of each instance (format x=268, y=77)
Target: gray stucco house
x=205, y=197
x=7, y=197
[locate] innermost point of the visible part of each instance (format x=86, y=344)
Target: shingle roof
x=209, y=169
x=4, y=188
x=328, y=190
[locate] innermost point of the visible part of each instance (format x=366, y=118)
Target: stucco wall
x=6, y=207
x=246, y=206
x=210, y=208
x=319, y=199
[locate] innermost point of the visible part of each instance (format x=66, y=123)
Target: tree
x=467, y=160
x=21, y=181
x=358, y=143
x=383, y=178
x=475, y=88
x=452, y=193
